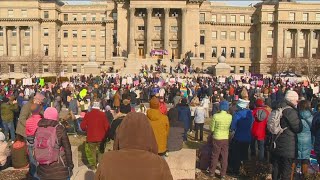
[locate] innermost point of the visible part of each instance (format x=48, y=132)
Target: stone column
x=183, y=33
x=18, y=40
x=166, y=29
x=5, y=43
x=310, y=43
x=284, y=42
x=31, y=39
x=149, y=31
x=297, y=43
x=131, y=35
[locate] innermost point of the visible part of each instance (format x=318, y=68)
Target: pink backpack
x=46, y=146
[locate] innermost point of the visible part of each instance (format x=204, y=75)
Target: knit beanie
x=259, y=103
x=38, y=97
x=291, y=96
x=51, y=114
x=35, y=108
x=244, y=94
x=242, y=103
x=224, y=106
x=154, y=103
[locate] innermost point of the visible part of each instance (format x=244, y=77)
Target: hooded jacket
x=175, y=139
x=7, y=111
x=304, y=138
x=260, y=115
x=160, y=126
x=135, y=153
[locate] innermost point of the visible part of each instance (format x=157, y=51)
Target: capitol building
x=52, y=36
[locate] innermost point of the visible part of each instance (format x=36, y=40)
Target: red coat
x=259, y=126
x=96, y=125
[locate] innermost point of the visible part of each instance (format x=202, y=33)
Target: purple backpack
x=46, y=146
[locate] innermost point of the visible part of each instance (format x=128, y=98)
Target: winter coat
x=56, y=170
x=241, y=124
x=304, y=138
x=175, y=139
x=220, y=125
x=163, y=108
x=7, y=111
x=25, y=113
x=32, y=124
x=286, y=144
x=199, y=115
x=114, y=125
x=185, y=115
x=4, y=152
x=73, y=106
x=315, y=130
x=116, y=100
x=160, y=126
x=135, y=153
x=259, y=126
x=96, y=125
x=215, y=108
x=19, y=155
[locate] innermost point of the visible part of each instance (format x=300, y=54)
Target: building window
x=270, y=33
x=251, y=53
x=103, y=17
x=74, y=51
x=74, y=17
x=223, y=35
x=93, y=50
x=232, y=35
x=242, y=52
x=11, y=68
x=24, y=68
x=65, y=33
x=269, y=52
x=289, y=52
x=202, y=17
x=102, y=50
x=83, y=51
x=214, y=35
x=214, y=18
x=1, y=51
x=27, y=32
x=102, y=33
x=233, y=18
x=314, y=52
x=233, y=52
x=13, y=50
x=315, y=35
x=10, y=13
x=115, y=16
x=74, y=33
x=242, y=19
x=74, y=68
x=242, y=36
x=242, y=69
x=26, y=49
x=223, y=18
x=270, y=17
x=65, y=17
x=305, y=17
x=45, y=32
x=157, y=28
x=14, y=32
x=84, y=17
x=202, y=55
x=318, y=17
x=93, y=17
x=46, y=49
x=301, y=52
x=223, y=51
x=232, y=69
x=289, y=35
x=292, y=16
x=45, y=68
x=24, y=13
x=141, y=28
x=174, y=28
x=46, y=14
x=301, y=35
x=84, y=33
x=93, y=33
x=202, y=39
x=250, y=19
x=1, y=31
x=214, y=52
x=65, y=51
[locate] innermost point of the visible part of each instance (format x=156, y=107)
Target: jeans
x=33, y=163
x=9, y=126
x=185, y=135
x=199, y=126
x=239, y=152
x=281, y=167
x=260, y=148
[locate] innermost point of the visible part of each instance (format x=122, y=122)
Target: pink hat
x=51, y=114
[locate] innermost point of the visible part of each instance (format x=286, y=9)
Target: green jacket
x=220, y=125
x=7, y=111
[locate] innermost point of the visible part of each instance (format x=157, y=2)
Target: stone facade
x=54, y=36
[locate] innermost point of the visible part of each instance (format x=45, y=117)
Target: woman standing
x=199, y=117
x=116, y=100
x=184, y=116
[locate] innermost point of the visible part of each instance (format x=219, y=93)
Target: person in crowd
x=241, y=125
x=19, y=153
x=109, y=114
x=74, y=105
x=4, y=152
x=175, y=139
x=282, y=157
x=133, y=98
x=163, y=107
x=135, y=142
x=177, y=98
x=116, y=100
x=142, y=109
x=220, y=126
x=61, y=169
x=205, y=103
x=57, y=103
x=159, y=124
x=199, y=117
x=31, y=127
x=315, y=130
x=260, y=114
x=117, y=121
x=7, y=115
x=25, y=113
x=215, y=105
x=97, y=126
x=184, y=116
x=304, y=137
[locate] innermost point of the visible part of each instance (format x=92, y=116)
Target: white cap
x=2, y=137
x=291, y=96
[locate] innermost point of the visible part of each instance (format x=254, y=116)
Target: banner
x=221, y=80
x=13, y=82
x=259, y=83
x=136, y=82
x=41, y=83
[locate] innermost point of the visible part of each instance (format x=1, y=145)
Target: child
x=4, y=152
x=19, y=153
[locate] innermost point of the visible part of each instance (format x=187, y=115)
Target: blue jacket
x=304, y=138
x=315, y=129
x=184, y=115
x=241, y=124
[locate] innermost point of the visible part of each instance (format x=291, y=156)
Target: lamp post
x=195, y=49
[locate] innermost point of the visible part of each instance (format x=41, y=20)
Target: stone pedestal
x=222, y=68
x=91, y=67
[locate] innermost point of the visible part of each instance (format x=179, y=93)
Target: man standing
x=97, y=126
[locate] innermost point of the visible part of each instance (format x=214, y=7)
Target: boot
x=305, y=168
x=293, y=169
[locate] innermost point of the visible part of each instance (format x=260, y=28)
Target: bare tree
x=34, y=64
x=4, y=64
x=57, y=67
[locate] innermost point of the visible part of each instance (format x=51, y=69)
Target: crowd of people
x=276, y=120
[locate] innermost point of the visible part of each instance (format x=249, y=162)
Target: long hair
x=304, y=105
